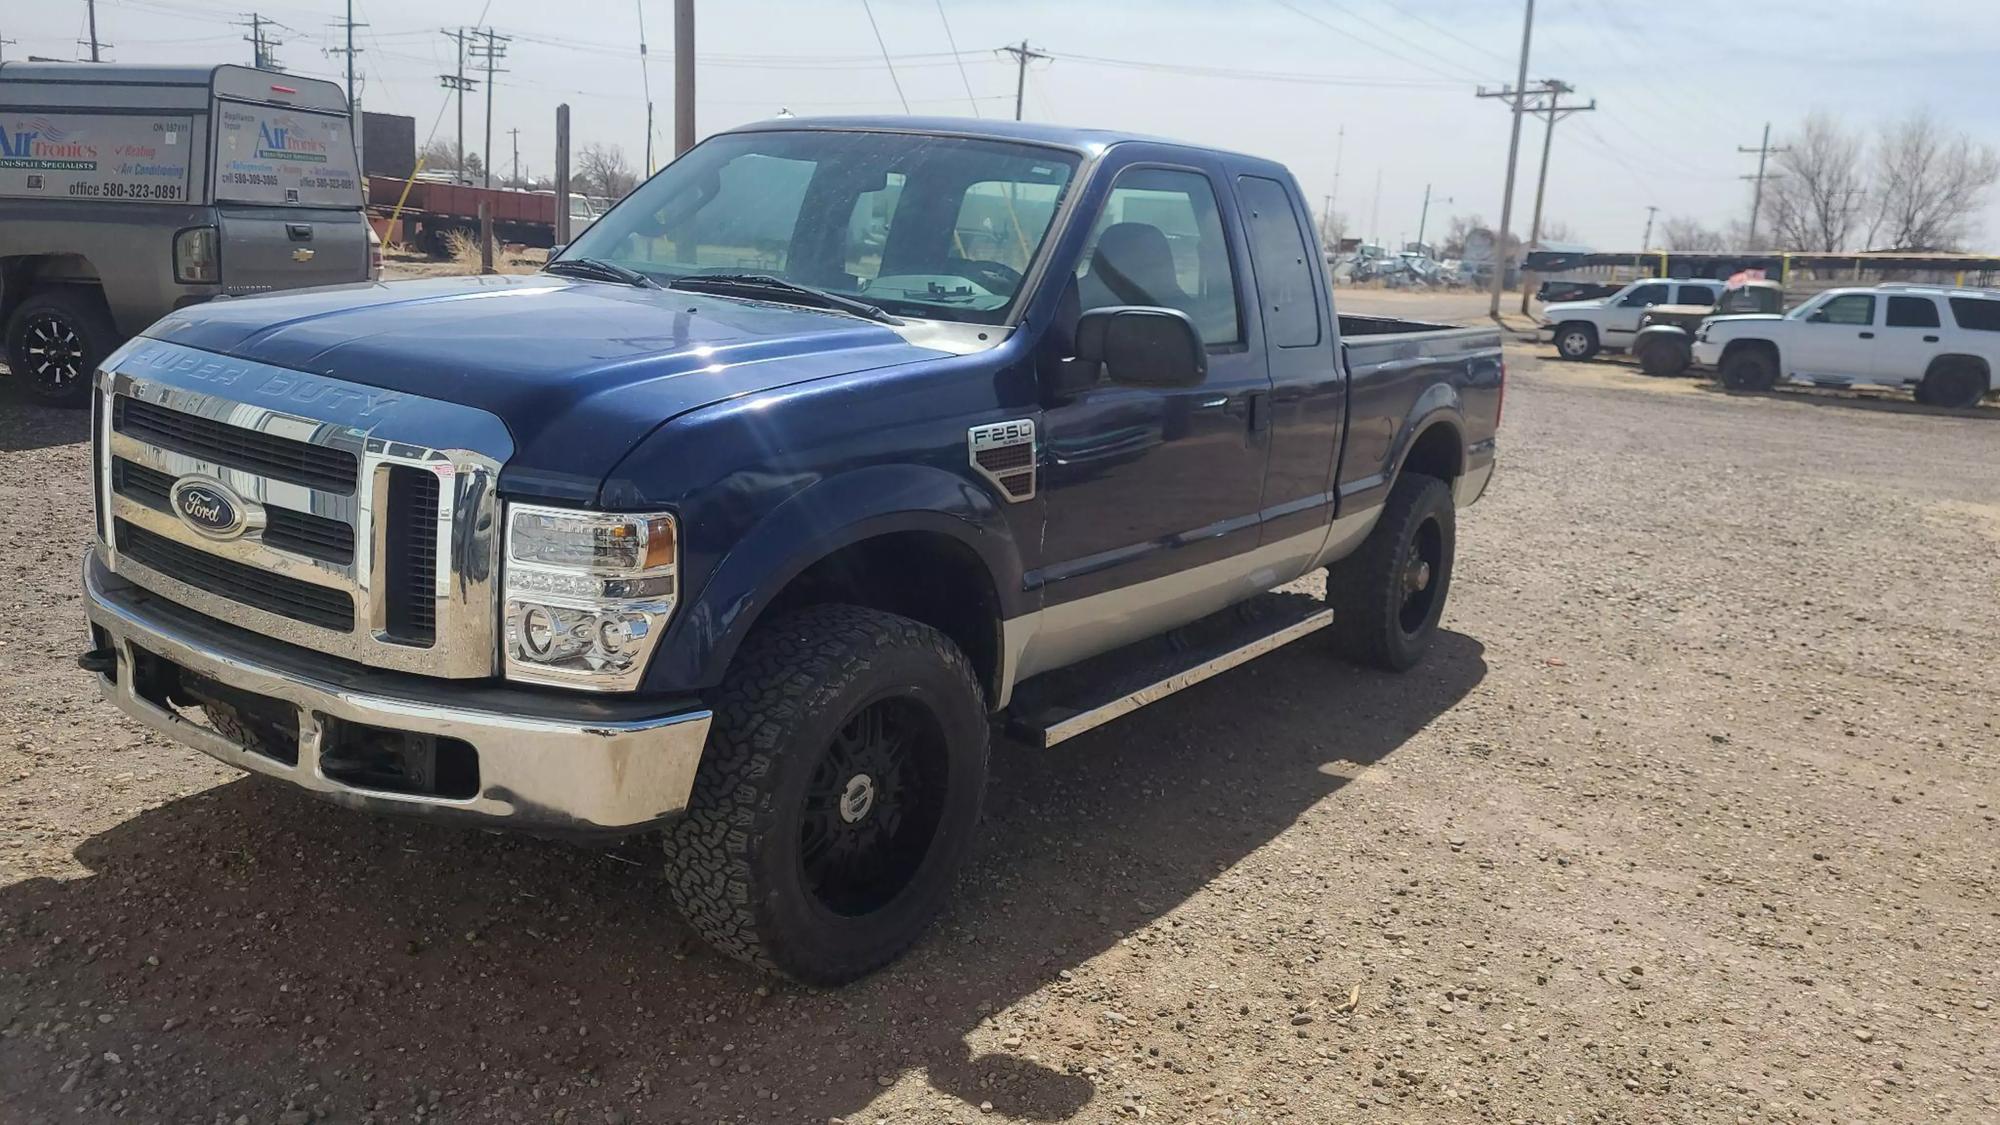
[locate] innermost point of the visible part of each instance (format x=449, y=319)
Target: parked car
x=646, y=542
x=1580, y=329
x=1665, y=343
x=1941, y=343
x=130, y=190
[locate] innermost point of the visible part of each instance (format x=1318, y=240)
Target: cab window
x=1912, y=312
x=1848, y=308
x=1159, y=243
x=1697, y=295
x=1653, y=294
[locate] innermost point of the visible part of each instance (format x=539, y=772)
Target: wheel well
x=1583, y=324
x=923, y=575
x=1972, y=361
x=1438, y=452
x=1734, y=346
x=24, y=274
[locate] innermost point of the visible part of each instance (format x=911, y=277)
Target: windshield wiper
x=765, y=285
x=600, y=270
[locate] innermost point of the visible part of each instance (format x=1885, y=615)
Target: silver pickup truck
x=129, y=191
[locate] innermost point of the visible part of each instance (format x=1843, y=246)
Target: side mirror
x=1141, y=346
x=557, y=249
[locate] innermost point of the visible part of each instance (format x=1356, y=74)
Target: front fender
x=1660, y=332
x=817, y=521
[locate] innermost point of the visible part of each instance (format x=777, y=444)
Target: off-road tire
x=75, y=311
x=735, y=861
x=1749, y=369
x=1368, y=589
x=1664, y=358
x=1953, y=384
x=1576, y=340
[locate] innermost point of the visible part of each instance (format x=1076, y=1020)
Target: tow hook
x=103, y=661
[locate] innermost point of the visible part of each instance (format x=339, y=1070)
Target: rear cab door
x=287, y=188
x=1912, y=335
x=1309, y=387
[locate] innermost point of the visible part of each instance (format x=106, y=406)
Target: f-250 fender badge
x=1004, y=453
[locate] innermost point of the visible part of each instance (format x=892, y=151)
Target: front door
x=1621, y=320
x=1144, y=485
x=1836, y=341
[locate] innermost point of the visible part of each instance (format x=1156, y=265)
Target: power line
x=1198, y=71
x=1022, y=54
x=953, y=44
x=645, y=81
x=1419, y=63
x=876, y=28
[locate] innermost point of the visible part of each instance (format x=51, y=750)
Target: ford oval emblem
x=209, y=507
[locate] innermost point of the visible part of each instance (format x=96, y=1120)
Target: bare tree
x=1453, y=245
x=1814, y=200
x=1555, y=230
x=1929, y=186
x=1683, y=232
x=602, y=170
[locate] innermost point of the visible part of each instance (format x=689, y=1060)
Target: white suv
x=1579, y=329
x=1941, y=342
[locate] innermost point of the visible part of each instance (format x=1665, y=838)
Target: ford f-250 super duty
x=831, y=446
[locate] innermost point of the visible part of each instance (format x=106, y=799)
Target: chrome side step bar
x=1282, y=621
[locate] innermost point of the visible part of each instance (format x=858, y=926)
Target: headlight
x=195, y=256
x=587, y=594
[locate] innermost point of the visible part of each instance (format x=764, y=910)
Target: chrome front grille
x=369, y=518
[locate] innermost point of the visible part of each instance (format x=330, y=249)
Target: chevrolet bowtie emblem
x=302, y=254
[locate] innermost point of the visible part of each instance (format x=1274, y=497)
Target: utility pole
x=94, y=44
x=515, y=133
x=262, y=45
x=1022, y=54
x=3, y=47
x=1553, y=111
x=1763, y=151
x=1339, y=150
x=1375, y=212
x=353, y=97
x=1423, y=217
x=1326, y=220
x=1517, y=95
x=460, y=83
x=683, y=77
x=1646, y=240
x=562, y=174
x=494, y=49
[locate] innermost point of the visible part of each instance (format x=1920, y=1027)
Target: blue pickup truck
x=835, y=447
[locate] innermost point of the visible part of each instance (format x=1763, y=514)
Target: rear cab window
x=281, y=156
x=1652, y=294
x=1278, y=247
x=1697, y=295
x=1980, y=314
x=1912, y=312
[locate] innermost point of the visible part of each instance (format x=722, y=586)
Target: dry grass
x=465, y=254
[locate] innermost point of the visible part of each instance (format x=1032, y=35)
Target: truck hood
x=1564, y=308
x=579, y=371
x=1739, y=318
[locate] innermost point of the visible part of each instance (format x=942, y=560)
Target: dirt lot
x=1690, y=817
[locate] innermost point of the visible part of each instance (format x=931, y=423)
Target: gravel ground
x=1690, y=817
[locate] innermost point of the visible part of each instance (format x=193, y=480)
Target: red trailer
x=430, y=209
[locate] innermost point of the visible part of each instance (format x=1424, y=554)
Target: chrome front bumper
x=546, y=762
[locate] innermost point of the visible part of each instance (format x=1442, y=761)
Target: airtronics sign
x=38, y=142
x=94, y=156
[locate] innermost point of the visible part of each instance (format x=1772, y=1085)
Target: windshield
x=265, y=154
x=923, y=226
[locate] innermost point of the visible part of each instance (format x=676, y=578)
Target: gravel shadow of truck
x=249, y=950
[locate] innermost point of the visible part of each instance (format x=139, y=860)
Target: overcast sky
x=1679, y=85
